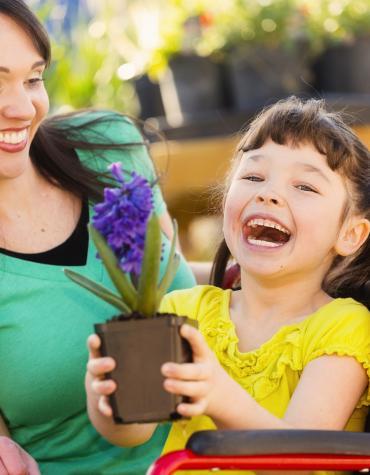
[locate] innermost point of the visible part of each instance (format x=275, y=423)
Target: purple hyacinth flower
x=122, y=218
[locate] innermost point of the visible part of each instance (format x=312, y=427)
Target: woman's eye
x=34, y=81
x=253, y=178
x=306, y=188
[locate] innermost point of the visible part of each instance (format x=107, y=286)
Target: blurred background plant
x=106, y=53
x=337, y=21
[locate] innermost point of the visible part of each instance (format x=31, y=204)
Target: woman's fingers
x=33, y=468
x=11, y=457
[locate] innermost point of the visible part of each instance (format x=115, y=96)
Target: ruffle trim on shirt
x=346, y=351
x=259, y=371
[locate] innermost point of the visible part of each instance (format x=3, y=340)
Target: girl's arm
x=100, y=412
x=315, y=403
x=13, y=459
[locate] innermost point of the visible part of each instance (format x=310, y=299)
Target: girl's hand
x=97, y=387
x=14, y=460
x=204, y=381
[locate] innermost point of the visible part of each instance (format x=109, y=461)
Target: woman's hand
x=97, y=387
x=14, y=460
x=204, y=381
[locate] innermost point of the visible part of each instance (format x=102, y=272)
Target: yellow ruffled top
x=271, y=373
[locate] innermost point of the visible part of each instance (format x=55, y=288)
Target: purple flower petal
x=122, y=218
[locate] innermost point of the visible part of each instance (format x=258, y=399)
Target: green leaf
x=172, y=266
x=119, y=279
x=99, y=290
x=148, y=280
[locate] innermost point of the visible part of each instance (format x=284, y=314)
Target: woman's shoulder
x=100, y=126
x=196, y=301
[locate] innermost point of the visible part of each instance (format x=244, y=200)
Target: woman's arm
x=100, y=412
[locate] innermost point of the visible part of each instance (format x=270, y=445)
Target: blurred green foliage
x=97, y=64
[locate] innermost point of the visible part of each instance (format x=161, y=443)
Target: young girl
x=291, y=348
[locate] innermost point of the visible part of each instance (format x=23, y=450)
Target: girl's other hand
x=204, y=381
x=97, y=387
x=14, y=460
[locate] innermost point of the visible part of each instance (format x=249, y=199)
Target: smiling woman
x=52, y=170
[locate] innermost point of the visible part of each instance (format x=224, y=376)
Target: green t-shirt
x=45, y=321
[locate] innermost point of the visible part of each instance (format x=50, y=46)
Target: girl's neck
x=283, y=302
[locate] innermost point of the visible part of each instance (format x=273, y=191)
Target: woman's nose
x=18, y=105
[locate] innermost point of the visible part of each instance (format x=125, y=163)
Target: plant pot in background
x=149, y=97
x=140, y=346
x=259, y=75
x=344, y=68
x=192, y=86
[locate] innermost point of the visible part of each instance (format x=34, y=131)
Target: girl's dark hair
x=295, y=121
x=53, y=149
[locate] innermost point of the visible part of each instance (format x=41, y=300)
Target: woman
x=50, y=172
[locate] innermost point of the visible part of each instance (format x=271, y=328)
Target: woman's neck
x=23, y=193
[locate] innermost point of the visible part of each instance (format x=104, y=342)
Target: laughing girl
x=291, y=348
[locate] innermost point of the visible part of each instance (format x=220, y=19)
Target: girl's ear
x=353, y=234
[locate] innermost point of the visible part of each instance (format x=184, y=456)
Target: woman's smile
x=13, y=140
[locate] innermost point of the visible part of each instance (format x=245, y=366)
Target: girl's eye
x=253, y=178
x=306, y=188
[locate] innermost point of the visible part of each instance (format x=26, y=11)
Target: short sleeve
x=112, y=128
x=341, y=328
x=183, y=302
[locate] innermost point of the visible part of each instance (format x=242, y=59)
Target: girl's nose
x=18, y=106
x=269, y=197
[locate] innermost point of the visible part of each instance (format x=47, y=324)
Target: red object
x=187, y=460
x=269, y=450
x=232, y=277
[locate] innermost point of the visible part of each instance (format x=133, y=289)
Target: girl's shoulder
x=344, y=313
x=339, y=327
x=196, y=302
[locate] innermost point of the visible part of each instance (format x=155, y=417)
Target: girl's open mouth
x=265, y=233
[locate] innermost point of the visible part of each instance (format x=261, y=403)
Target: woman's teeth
x=13, y=138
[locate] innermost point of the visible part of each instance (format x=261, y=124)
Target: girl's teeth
x=258, y=242
x=13, y=138
x=265, y=222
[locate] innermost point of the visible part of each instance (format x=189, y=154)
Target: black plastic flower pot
x=344, y=68
x=140, y=346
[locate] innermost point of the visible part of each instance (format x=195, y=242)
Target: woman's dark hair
x=53, y=149
x=295, y=121
x=19, y=12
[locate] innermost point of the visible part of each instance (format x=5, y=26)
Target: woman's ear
x=353, y=234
